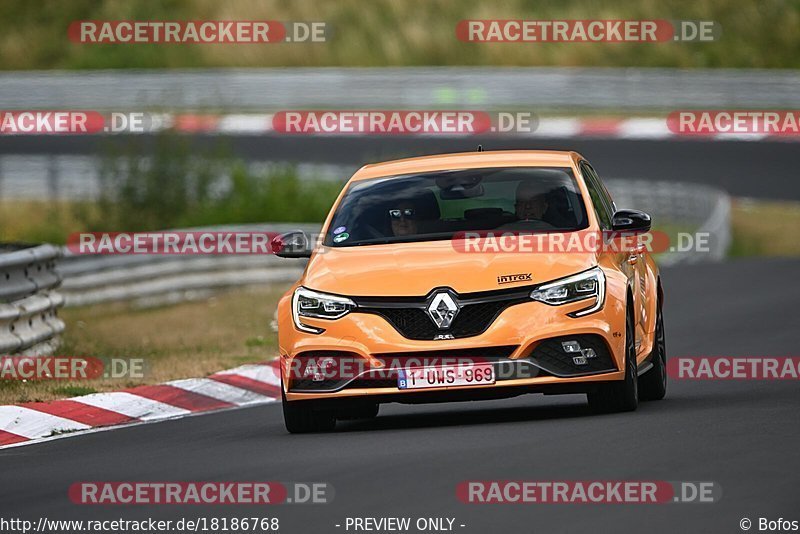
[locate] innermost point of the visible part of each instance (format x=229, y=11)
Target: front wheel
x=623, y=395
x=653, y=384
x=302, y=417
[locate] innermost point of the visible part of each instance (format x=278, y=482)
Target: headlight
x=308, y=303
x=581, y=286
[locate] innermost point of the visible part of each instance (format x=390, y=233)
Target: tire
x=622, y=395
x=653, y=384
x=302, y=417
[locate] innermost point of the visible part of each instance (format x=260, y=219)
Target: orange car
x=470, y=276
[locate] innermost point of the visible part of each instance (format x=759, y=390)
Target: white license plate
x=446, y=376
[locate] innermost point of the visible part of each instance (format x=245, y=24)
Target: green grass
x=74, y=391
x=765, y=228
x=189, y=339
x=762, y=34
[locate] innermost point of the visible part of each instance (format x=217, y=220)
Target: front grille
x=477, y=311
x=415, y=323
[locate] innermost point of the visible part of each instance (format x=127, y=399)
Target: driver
x=403, y=219
x=530, y=207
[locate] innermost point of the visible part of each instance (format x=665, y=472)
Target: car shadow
x=681, y=403
x=468, y=416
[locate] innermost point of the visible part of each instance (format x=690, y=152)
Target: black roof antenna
x=480, y=148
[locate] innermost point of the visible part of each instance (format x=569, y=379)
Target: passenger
x=531, y=204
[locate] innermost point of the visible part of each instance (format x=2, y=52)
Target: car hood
x=414, y=269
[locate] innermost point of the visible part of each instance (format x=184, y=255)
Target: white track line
x=132, y=405
x=244, y=123
x=644, y=129
x=263, y=373
x=34, y=424
x=220, y=391
x=38, y=426
x=557, y=128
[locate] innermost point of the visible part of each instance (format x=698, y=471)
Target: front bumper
x=522, y=327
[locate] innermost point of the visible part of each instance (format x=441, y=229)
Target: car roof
x=469, y=160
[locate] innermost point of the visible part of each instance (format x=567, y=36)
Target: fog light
x=571, y=346
x=579, y=360
x=588, y=353
x=310, y=370
x=318, y=370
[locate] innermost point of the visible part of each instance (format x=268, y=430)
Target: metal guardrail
x=28, y=300
x=464, y=87
x=153, y=280
x=168, y=279
x=701, y=209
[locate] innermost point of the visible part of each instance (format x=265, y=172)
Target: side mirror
x=294, y=244
x=634, y=221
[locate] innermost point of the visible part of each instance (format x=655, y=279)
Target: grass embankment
x=384, y=33
x=191, y=339
x=765, y=228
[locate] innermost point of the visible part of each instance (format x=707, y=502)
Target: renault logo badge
x=443, y=310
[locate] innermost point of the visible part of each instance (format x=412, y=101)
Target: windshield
x=438, y=205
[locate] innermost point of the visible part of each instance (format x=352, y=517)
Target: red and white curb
x=637, y=128
x=566, y=127
x=247, y=385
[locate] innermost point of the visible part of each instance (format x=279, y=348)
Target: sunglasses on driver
x=407, y=213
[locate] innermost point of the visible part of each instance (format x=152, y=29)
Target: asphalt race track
x=742, y=168
x=739, y=434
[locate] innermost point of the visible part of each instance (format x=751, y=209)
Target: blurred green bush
x=176, y=187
